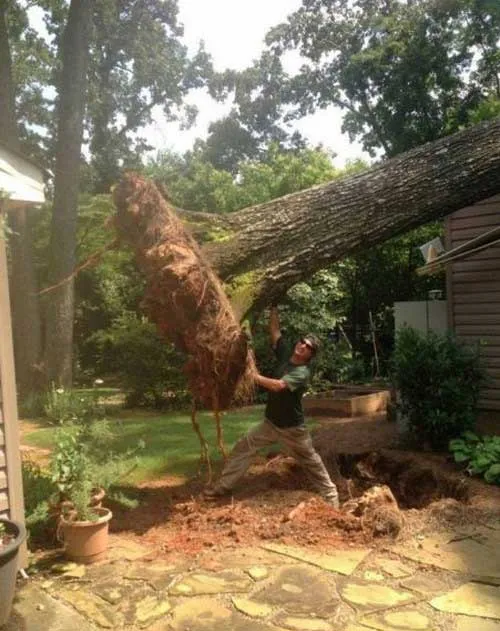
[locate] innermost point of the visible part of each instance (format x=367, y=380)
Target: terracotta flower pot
x=86, y=541
x=8, y=566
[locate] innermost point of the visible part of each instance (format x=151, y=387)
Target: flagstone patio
x=447, y=582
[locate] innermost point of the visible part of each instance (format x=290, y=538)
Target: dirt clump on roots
x=184, y=297
x=378, y=510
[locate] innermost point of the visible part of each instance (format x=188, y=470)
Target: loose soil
x=274, y=502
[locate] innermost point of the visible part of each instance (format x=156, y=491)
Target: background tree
x=404, y=72
x=19, y=69
x=70, y=115
x=139, y=66
x=138, y=62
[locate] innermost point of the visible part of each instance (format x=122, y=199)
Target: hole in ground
x=414, y=480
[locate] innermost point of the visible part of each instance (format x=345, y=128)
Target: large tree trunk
x=261, y=251
x=60, y=307
x=8, y=128
x=27, y=322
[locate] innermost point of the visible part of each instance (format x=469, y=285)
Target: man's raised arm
x=274, y=325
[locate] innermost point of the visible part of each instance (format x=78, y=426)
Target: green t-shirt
x=284, y=408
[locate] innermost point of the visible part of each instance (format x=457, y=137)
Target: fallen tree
x=261, y=251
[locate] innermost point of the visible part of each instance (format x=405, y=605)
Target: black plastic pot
x=8, y=567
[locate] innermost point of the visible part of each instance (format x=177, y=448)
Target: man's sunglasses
x=307, y=343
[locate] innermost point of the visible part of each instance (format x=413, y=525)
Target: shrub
x=149, y=367
x=65, y=405
x=481, y=454
x=439, y=381
x=38, y=488
x=32, y=405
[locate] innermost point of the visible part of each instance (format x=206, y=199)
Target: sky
x=233, y=32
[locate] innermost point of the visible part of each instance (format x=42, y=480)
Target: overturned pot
x=86, y=541
x=10, y=541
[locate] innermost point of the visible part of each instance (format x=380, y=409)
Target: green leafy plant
x=38, y=488
x=439, y=381
x=481, y=454
x=149, y=367
x=64, y=405
x=32, y=405
x=81, y=463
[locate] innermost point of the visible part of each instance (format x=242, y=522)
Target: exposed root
x=204, y=456
x=220, y=435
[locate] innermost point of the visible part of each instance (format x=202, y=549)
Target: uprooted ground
x=274, y=502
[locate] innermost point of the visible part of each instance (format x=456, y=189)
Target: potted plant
x=81, y=462
x=83, y=522
x=12, y=535
x=84, y=528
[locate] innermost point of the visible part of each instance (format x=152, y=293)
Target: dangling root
x=205, y=456
x=220, y=435
x=93, y=259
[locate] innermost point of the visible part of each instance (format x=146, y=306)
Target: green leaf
x=471, y=437
x=492, y=475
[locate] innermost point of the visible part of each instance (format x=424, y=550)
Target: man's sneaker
x=214, y=493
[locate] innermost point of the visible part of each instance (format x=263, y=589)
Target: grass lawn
x=172, y=447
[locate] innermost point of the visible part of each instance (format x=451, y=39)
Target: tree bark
x=8, y=127
x=72, y=93
x=260, y=252
x=27, y=321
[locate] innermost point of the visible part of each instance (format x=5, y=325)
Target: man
x=284, y=418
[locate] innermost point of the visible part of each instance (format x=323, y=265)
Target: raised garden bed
x=347, y=401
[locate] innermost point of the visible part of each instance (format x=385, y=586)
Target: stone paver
x=466, y=623
x=474, y=553
x=425, y=585
x=393, y=568
x=158, y=575
x=204, y=612
x=374, y=596
x=207, y=614
x=370, y=575
x=201, y=583
x=92, y=607
x=472, y=599
x=258, y=573
x=113, y=592
x=301, y=590
x=304, y=624
x=279, y=588
x=35, y=610
x=407, y=620
x=147, y=608
x=252, y=608
x=342, y=562
x=124, y=550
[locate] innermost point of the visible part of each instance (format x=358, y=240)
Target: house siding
x=474, y=290
x=4, y=496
